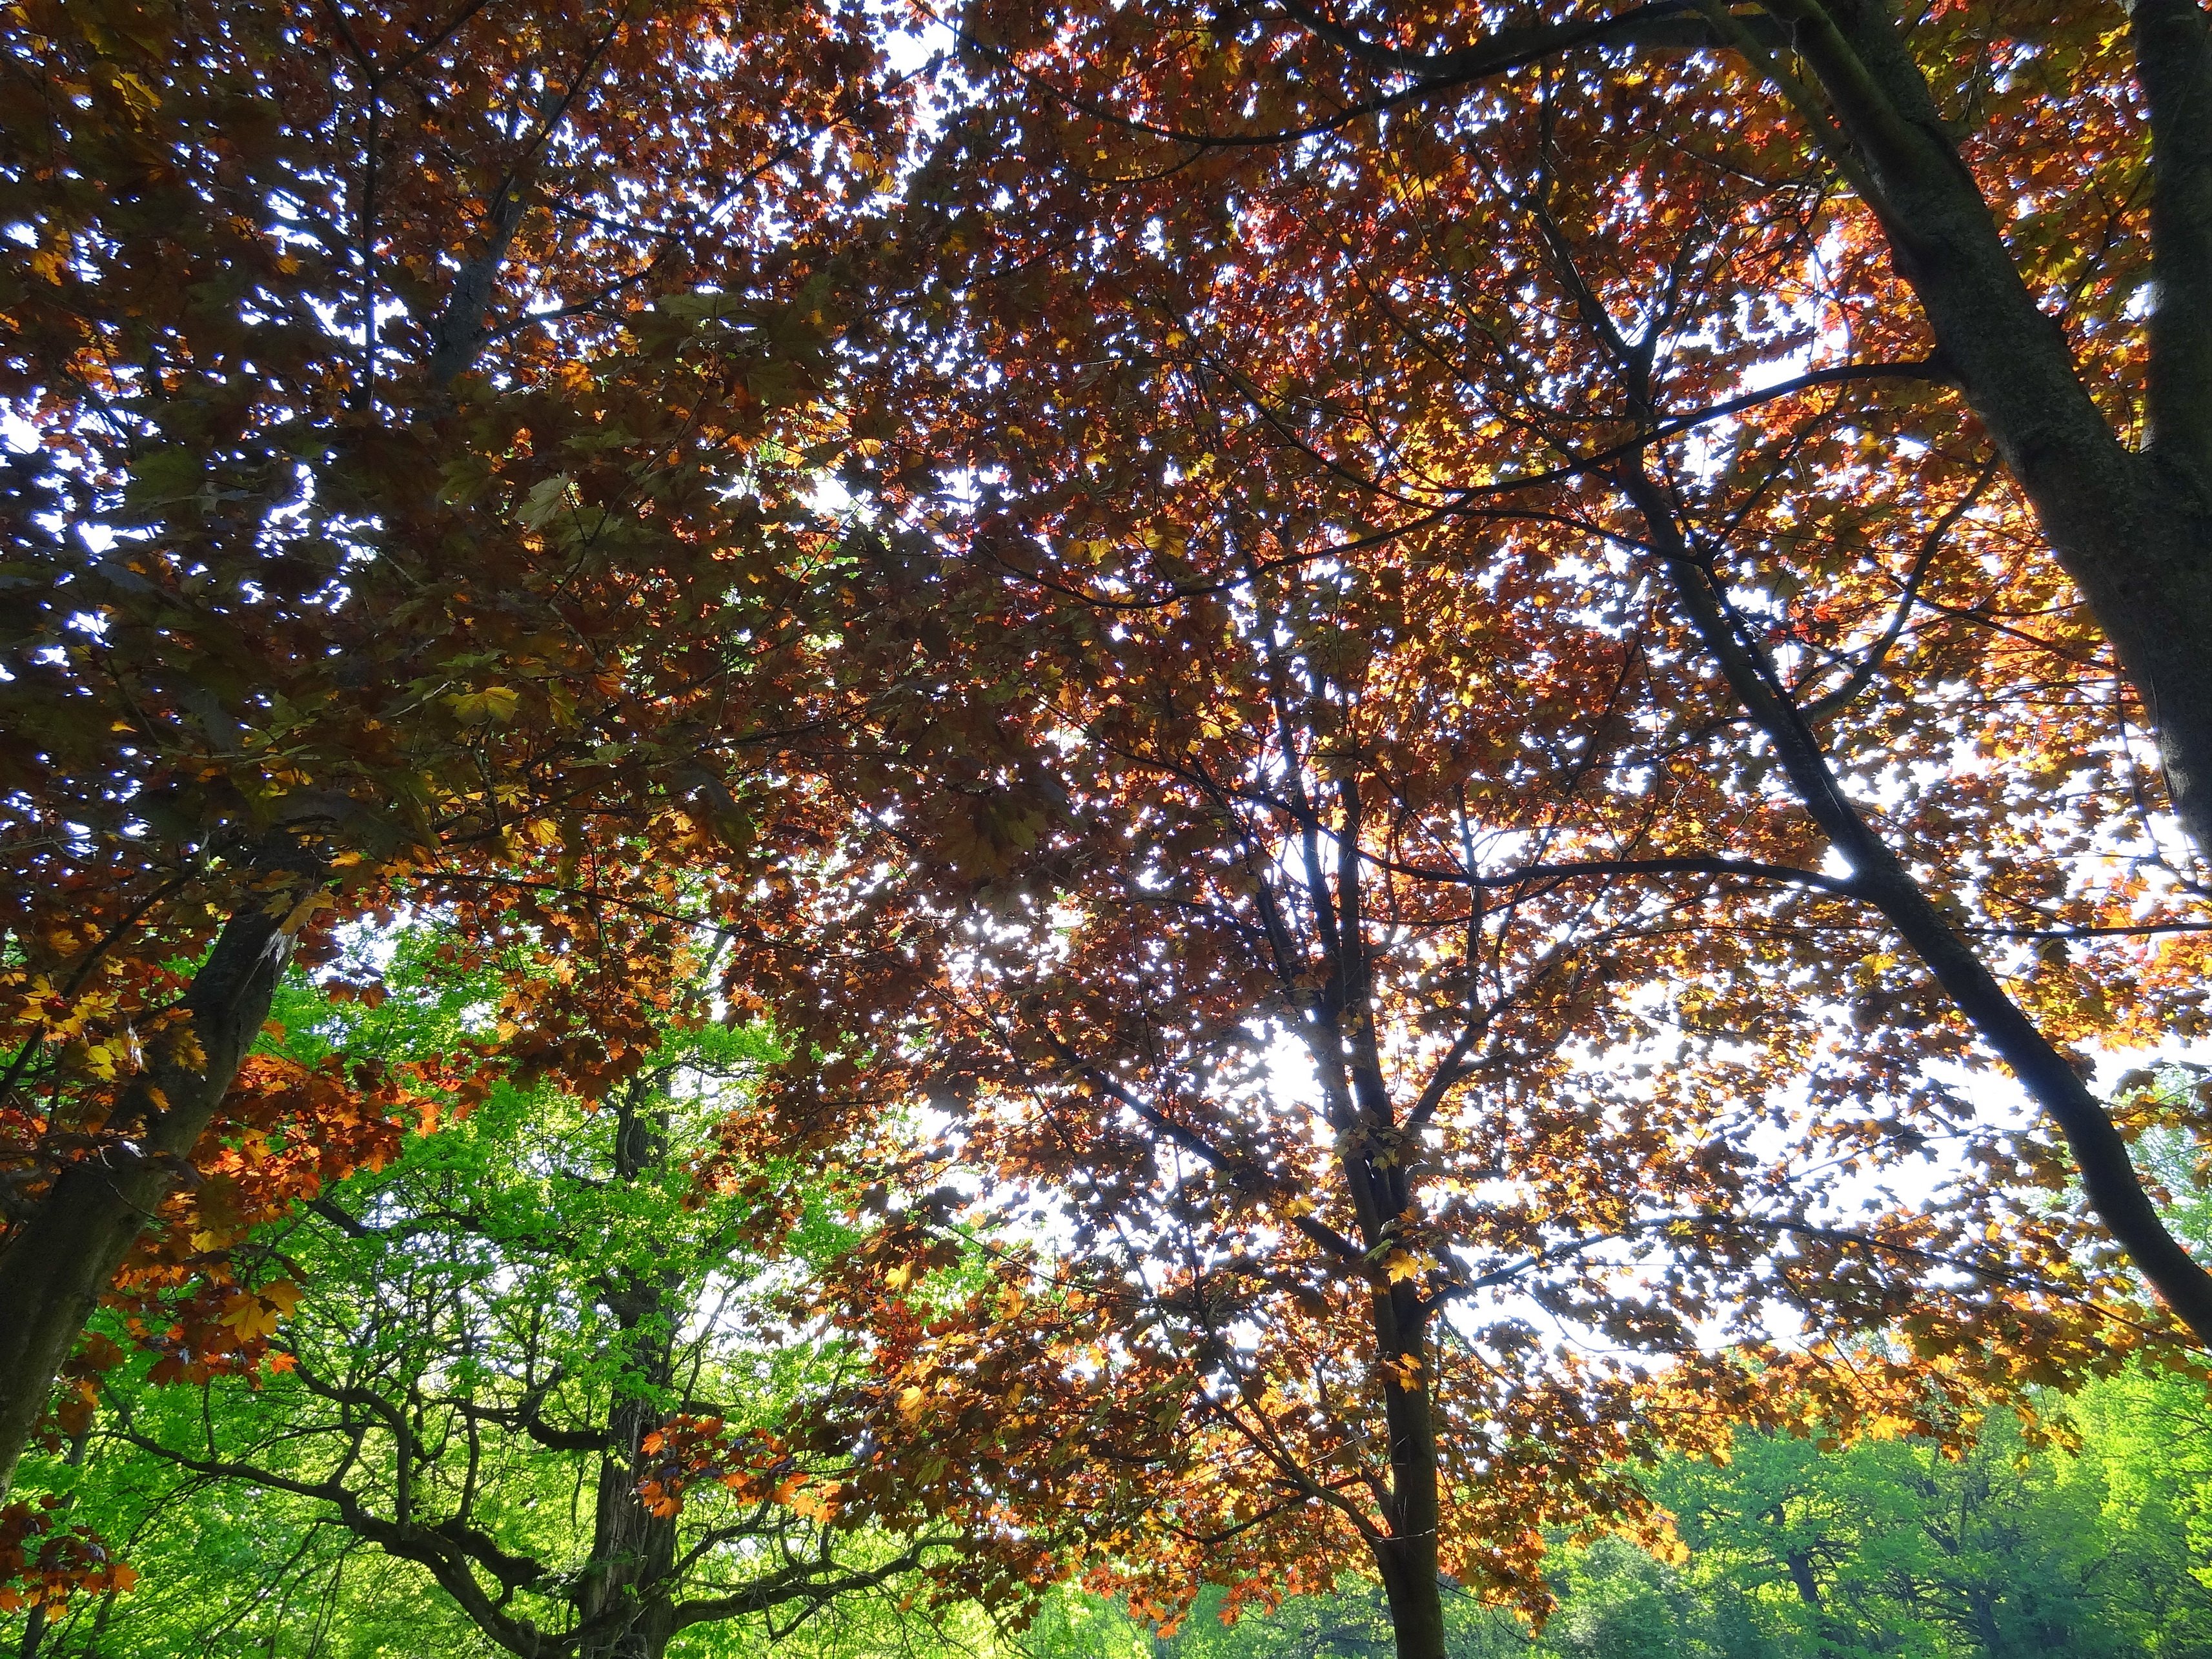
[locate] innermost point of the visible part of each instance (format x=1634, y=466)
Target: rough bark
x=55, y=1267
x=624, y=1608
x=2133, y=529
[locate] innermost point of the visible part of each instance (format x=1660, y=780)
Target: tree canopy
x=1439, y=753
x=400, y=511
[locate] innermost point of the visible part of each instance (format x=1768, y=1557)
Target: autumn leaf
x=492, y=703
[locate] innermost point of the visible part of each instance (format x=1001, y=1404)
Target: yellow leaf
x=493, y=702
x=249, y=1316
x=302, y=911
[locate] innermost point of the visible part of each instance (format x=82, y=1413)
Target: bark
x=55, y=1267
x=1407, y=1558
x=2133, y=529
x=1350, y=1064
x=2174, y=62
x=1416, y=1598
x=460, y=332
x=623, y=1607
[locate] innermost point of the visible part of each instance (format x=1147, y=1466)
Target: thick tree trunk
x=2133, y=530
x=624, y=1605
x=54, y=1269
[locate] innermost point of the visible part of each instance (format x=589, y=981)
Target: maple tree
x=509, y=1315
x=407, y=413
x=1944, y=132
x=1512, y=576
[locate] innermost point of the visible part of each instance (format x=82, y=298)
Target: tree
x=1465, y=668
x=1565, y=303
x=2004, y=1547
x=2047, y=1534
x=1399, y=1166
x=506, y=1321
x=417, y=394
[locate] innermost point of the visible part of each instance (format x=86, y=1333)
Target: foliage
x=1508, y=760
x=478, y=1345
x=1497, y=680
x=2097, y=1549
x=408, y=415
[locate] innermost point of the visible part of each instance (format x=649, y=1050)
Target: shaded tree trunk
x=624, y=1607
x=53, y=1270
x=1407, y=1559
x=1828, y=1633
x=1416, y=1596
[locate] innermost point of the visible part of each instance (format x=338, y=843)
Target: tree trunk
x=1416, y=1597
x=1407, y=1558
x=2133, y=530
x=54, y=1269
x=1799, y=1562
x=624, y=1607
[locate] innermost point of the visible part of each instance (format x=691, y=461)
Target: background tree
x=403, y=409
x=491, y=1335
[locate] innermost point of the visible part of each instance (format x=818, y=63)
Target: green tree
x=477, y=1384
x=2011, y=1547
